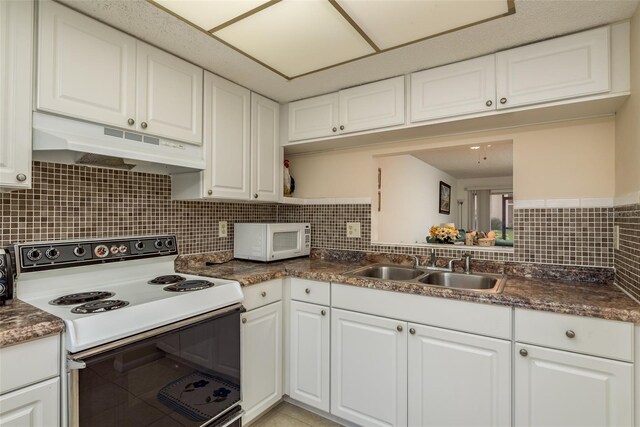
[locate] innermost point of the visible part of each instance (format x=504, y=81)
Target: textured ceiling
x=490, y=160
x=533, y=20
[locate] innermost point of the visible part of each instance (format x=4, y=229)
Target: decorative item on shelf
x=289, y=182
x=470, y=238
x=443, y=234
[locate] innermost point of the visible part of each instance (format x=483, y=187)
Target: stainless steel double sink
x=481, y=282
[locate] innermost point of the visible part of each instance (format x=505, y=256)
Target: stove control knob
x=123, y=249
x=169, y=243
x=34, y=254
x=114, y=249
x=52, y=253
x=79, y=251
x=3, y=289
x=139, y=246
x=1, y=274
x=158, y=244
x=101, y=251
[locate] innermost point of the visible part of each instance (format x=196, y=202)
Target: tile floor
x=288, y=415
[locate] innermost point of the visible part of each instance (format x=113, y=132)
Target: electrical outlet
x=222, y=228
x=616, y=237
x=353, y=229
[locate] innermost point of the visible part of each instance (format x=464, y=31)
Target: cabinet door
x=85, y=69
x=265, y=150
x=34, y=406
x=16, y=51
x=169, y=95
x=314, y=117
x=559, y=388
x=456, y=89
x=372, y=106
x=368, y=369
x=458, y=379
x=261, y=359
x=565, y=67
x=226, y=137
x=309, y=354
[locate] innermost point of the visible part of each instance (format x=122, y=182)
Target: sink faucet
x=432, y=261
x=466, y=258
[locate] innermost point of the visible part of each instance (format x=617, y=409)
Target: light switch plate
x=353, y=229
x=222, y=229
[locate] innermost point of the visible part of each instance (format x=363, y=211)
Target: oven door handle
x=73, y=364
x=227, y=423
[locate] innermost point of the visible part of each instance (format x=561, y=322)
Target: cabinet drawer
x=29, y=362
x=310, y=291
x=262, y=294
x=35, y=406
x=586, y=335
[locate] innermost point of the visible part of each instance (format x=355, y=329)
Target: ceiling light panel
x=209, y=14
x=296, y=37
x=393, y=23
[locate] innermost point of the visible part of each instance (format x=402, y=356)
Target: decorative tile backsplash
x=627, y=258
x=73, y=202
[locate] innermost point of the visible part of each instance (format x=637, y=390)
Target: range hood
x=72, y=141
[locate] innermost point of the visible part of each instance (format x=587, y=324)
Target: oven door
x=184, y=374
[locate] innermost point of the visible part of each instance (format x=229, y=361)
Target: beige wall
x=562, y=160
x=628, y=124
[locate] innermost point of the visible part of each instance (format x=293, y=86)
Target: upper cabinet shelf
x=93, y=72
x=575, y=76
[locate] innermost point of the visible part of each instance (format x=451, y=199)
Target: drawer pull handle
x=307, y=291
x=264, y=294
x=334, y=129
x=524, y=353
x=412, y=331
x=244, y=320
x=399, y=328
x=489, y=103
x=570, y=334
x=503, y=100
x=323, y=312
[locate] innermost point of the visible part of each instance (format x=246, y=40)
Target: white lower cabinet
x=261, y=359
x=34, y=406
x=458, y=379
x=559, y=388
x=368, y=369
x=309, y=354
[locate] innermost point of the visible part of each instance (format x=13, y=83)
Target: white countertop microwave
x=271, y=241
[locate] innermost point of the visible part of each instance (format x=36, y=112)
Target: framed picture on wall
x=445, y=198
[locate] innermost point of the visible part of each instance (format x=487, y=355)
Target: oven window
x=285, y=241
x=182, y=378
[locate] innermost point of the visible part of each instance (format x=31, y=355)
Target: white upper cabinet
x=566, y=67
x=372, y=106
x=93, y=72
x=16, y=51
x=265, y=149
x=314, y=117
x=458, y=379
x=169, y=95
x=452, y=90
x=559, y=388
x=86, y=69
x=227, y=139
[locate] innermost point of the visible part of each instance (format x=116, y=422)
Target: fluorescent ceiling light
x=209, y=14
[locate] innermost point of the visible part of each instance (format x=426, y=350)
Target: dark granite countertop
x=580, y=298
x=20, y=322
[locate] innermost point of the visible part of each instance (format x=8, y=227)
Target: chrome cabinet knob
x=263, y=294
x=341, y=127
x=255, y=195
x=210, y=192
x=131, y=122
x=244, y=320
x=323, y=312
x=399, y=328
x=489, y=103
x=412, y=331
x=307, y=291
x=503, y=100
x=524, y=353
x=570, y=334
x=335, y=129
x=143, y=125
x=21, y=177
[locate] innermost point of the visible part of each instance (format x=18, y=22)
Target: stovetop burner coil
x=82, y=297
x=99, y=306
x=168, y=279
x=189, y=285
